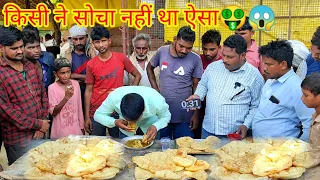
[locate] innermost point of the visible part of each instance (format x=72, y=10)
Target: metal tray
x=124, y=140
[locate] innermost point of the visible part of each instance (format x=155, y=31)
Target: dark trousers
x=100, y=130
x=176, y=130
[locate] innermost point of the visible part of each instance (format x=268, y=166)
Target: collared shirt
x=46, y=60
x=281, y=117
x=252, y=56
x=312, y=65
x=232, y=97
x=23, y=104
x=156, y=110
x=144, y=76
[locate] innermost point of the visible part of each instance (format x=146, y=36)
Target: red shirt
x=23, y=104
x=106, y=76
x=206, y=62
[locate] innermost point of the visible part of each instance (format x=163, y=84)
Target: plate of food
x=136, y=142
x=198, y=146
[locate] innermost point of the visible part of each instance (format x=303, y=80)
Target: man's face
x=182, y=47
x=210, y=51
x=272, y=68
x=32, y=51
x=246, y=34
x=79, y=42
x=315, y=52
x=102, y=45
x=14, y=52
x=232, y=61
x=64, y=75
x=141, y=49
x=310, y=100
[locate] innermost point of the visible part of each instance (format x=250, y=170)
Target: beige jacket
x=134, y=61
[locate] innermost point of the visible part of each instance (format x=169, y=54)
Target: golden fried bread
x=142, y=174
x=105, y=173
x=184, y=142
x=291, y=173
x=167, y=174
x=242, y=165
x=199, y=165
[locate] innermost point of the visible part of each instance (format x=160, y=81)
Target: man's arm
x=102, y=114
x=202, y=85
x=152, y=77
x=44, y=101
x=137, y=77
x=255, y=93
x=195, y=117
x=12, y=113
x=81, y=77
x=163, y=114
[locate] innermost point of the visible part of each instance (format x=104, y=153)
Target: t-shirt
x=176, y=80
x=206, y=62
x=77, y=61
x=70, y=119
x=312, y=65
x=106, y=76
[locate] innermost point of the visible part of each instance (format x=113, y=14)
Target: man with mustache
x=23, y=100
x=180, y=72
x=140, y=57
x=281, y=110
x=232, y=89
x=104, y=74
x=41, y=59
x=79, y=53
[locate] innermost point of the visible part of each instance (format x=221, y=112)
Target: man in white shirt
x=140, y=58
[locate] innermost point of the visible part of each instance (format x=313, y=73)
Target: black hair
x=211, y=36
x=279, y=50
x=47, y=36
x=236, y=42
x=30, y=27
x=185, y=33
x=132, y=106
x=9, y=35
x=246, y=25
x=99, y=32
x=30, y=35
x=312, y=83
x=316, y=38
x=61, y=63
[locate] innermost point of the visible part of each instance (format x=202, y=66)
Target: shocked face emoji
x=233, y=17
x=261, y=18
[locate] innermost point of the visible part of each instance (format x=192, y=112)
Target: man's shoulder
x=93, y=61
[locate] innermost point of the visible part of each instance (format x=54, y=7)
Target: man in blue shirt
x=313, y=60
x=281, y=110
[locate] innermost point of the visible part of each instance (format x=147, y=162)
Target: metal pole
x=290, y=20
x=123, y=31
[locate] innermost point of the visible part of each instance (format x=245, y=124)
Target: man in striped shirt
x=232, y=87
x=23, y=100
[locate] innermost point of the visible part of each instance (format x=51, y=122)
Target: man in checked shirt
x=23, y=100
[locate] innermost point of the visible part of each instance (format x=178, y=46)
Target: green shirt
x=156, y=109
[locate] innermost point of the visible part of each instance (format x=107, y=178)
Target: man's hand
x=88, y=125
x=191, y=98
x=151, y=133
x=38, y=135
x=194, y=121
x=83, y=132
x=45, y=126
x=122, y=124
x=242, y=131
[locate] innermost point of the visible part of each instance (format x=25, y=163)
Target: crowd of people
x=264, y=92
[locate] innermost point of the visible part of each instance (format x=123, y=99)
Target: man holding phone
x=281, y=110
x=232, y=87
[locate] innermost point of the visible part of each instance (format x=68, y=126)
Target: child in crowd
x=311, y=98
x=65, y=102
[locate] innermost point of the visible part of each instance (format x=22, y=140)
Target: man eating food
x=138, y=107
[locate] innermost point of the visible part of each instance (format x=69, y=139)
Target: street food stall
x=94, y=157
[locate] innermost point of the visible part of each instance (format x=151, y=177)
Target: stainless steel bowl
x=124, y=140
